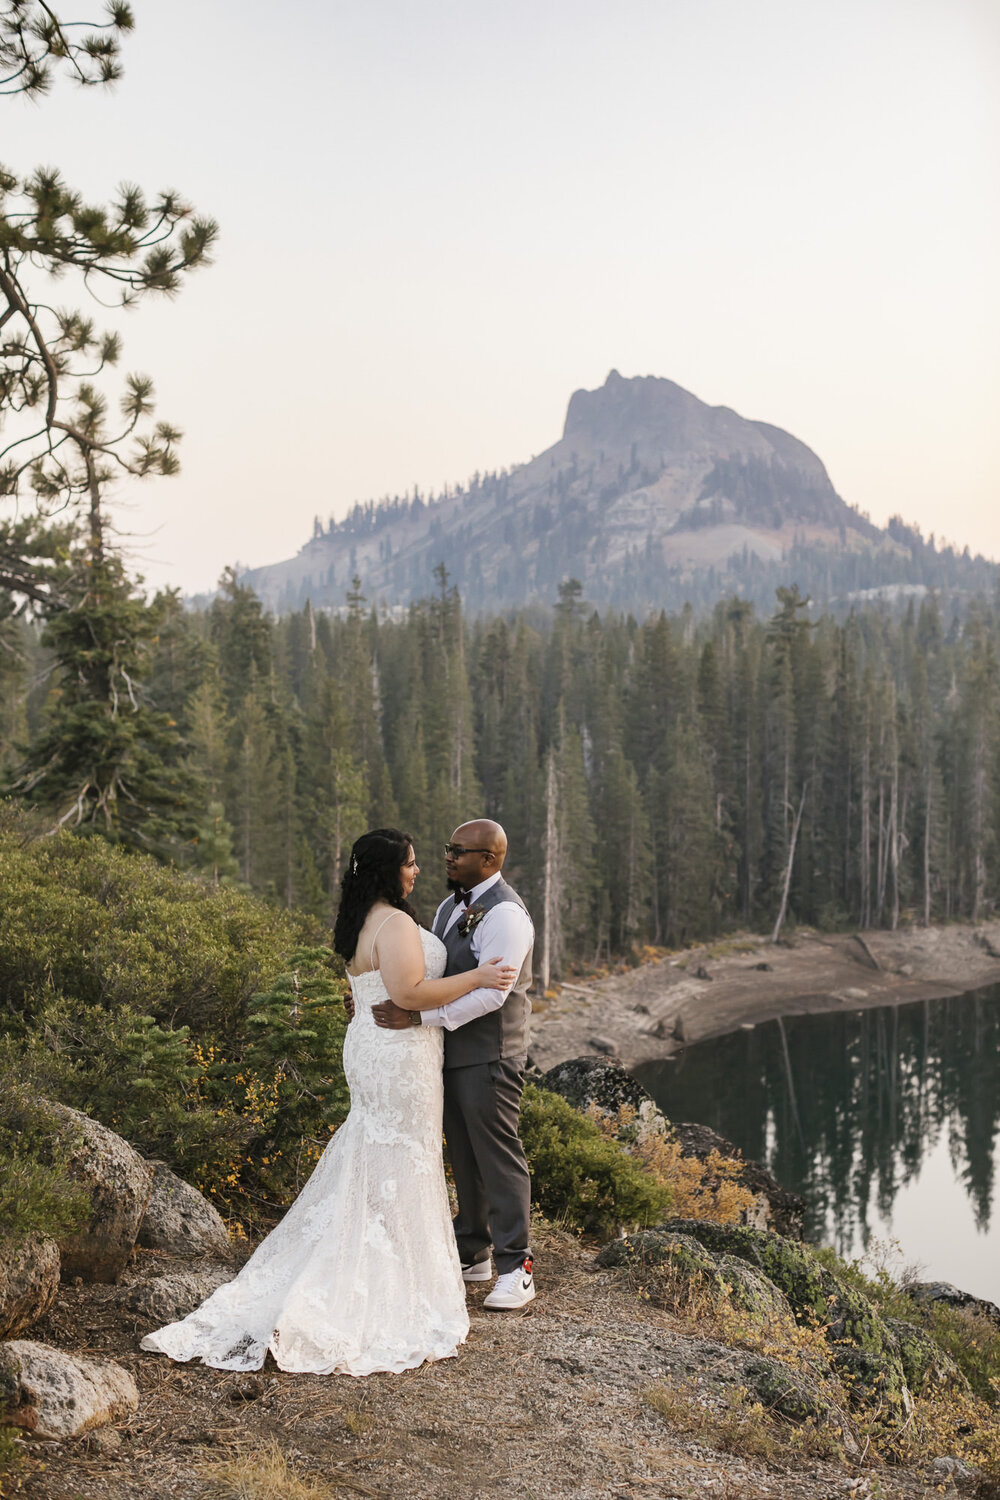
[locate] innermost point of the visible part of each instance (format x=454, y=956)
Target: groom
x=485, y=1054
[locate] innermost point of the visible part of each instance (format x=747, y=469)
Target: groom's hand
x=392, y=1016
x=349, y=1005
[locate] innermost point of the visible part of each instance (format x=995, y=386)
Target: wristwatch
x=415, y=1018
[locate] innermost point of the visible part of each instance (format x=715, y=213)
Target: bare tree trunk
x=788, y=868
x=894, y=841
x=247, y=813
x=978, y=821
x=550, y=886
x=746, y=847
x=880, y=856
x=866, y=835
x=847, y=837
x=927, y=845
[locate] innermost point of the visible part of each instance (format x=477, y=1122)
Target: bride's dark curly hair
x=372, y=874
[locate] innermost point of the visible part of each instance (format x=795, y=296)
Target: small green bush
x=242, y=1118
x=581, y=1177
x=36, y=1195
x=113, y=928
x=204, y=1026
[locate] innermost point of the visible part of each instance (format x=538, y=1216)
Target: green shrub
x=140, y=1079
x=242, y=1119
x=36, y=1195
x=196, y=1023
x=580, y=1176
x=113, y=928
x=288, y=1077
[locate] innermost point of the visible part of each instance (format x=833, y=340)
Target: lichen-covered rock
x=793, y=1395
x=118, y=1182
x=945, y=1468
x=59, y=1395
x=925, y=1364
x=586, y=1081
x=724, y=1277
x=654, y=1247
x=181, y=1220
x=29, y=1280
x=777, y=1209
x=871, y=1379
x=927, y=1293
x=167, y=1298
x=816, y=1294
x=754, y=1294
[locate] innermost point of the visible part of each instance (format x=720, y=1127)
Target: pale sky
x=439, y=219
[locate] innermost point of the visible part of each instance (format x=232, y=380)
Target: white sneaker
x=480, y=1270
x=513, y=1289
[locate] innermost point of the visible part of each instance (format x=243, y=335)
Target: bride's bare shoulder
x=376, y=931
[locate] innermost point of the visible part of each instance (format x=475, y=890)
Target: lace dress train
x=362, y=1273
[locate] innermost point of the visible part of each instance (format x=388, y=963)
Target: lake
x=885, y=1120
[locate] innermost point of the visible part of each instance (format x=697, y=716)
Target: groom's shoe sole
x=480, y=1270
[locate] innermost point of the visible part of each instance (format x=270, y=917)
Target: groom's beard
x=455, y=885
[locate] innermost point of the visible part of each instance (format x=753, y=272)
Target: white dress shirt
x=506, y=931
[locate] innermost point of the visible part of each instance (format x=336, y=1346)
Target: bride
x=362, y=1273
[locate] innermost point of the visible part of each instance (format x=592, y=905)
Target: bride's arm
x=401, y=963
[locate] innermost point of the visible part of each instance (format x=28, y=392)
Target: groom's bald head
x=483, y=833
x=484, y=849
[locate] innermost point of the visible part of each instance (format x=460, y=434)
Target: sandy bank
x=654, y=1010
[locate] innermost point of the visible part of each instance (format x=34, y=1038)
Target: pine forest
x=661, y=780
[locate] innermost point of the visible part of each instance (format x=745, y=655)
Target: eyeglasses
x=457, y=850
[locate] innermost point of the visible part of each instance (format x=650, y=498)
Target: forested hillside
x=660, y=780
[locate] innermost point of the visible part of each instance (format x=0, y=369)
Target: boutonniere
x=470, y=920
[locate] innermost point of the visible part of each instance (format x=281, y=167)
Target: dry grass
x=264, y=1473
x=956, y=1423
x=727, y=948
x=742, y=1426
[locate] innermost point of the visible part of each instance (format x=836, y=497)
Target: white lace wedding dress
x=362, y=1273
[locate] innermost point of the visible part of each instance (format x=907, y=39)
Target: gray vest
x=503, y=1032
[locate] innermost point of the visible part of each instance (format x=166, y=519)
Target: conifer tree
x=106, y=760
x=35, y=40
x=254, y=792
x=337, y=789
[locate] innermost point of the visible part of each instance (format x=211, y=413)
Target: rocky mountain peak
x=654, y=412
x=650, y=497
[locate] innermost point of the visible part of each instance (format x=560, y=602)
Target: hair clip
x=355, y=867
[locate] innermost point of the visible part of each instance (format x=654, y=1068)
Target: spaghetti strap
x=371, y=952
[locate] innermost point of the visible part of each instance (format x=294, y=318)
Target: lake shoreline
x=655, y=1010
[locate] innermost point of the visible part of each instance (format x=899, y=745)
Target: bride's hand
x=494, y=975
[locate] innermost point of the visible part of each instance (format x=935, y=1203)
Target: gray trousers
x=482, y=1105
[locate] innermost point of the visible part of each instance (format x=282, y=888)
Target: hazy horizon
x=439, y=222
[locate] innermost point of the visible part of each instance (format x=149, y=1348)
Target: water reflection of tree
x=847, y=1107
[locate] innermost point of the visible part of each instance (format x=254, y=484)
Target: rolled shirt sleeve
x=505, y=931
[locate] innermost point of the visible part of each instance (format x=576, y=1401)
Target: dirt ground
x=670, y=1002
x=544, y=1404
